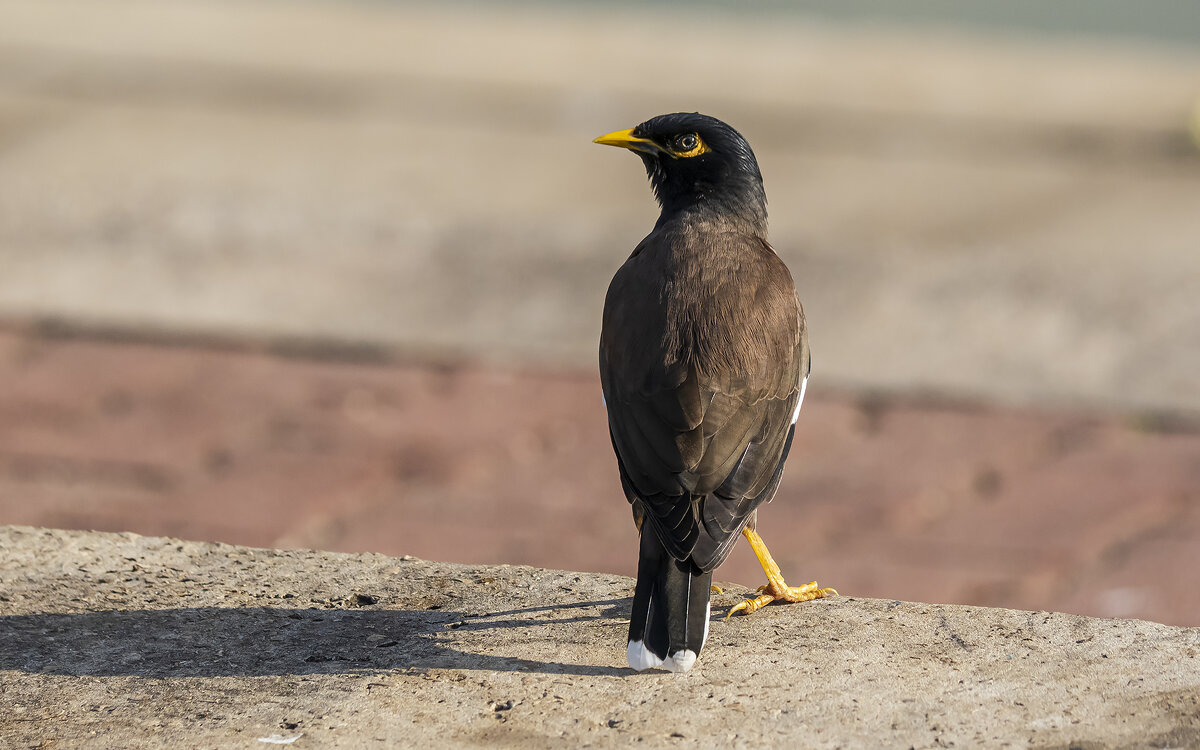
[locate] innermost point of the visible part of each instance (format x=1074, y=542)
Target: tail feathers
x=669, y=622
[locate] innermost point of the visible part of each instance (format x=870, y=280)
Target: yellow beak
x=626, y=139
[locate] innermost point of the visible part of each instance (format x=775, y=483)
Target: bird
x=704, y=360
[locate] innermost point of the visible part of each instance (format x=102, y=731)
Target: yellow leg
x=776, y=587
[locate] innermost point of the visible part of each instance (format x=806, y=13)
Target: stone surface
x=1005, y=218
x=904, y=498
x=119, y=640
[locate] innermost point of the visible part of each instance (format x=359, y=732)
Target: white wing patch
x=800, y=401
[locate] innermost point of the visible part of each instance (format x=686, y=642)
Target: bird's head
x=697, y=163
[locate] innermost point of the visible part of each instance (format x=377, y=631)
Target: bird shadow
x=261, y=641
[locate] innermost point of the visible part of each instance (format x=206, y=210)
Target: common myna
x=703, y=360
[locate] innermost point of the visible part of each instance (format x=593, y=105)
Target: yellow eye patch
x=684, y=148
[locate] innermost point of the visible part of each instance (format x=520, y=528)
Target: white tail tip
x=640, y=657
x=680, y=661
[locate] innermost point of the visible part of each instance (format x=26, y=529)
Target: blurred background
x=330, y=274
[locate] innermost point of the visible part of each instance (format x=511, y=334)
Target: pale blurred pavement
x=1015, y=221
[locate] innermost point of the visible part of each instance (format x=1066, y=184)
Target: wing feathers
x=700, y=359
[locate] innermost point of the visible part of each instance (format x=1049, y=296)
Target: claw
x=750, y=606
x=775, y=587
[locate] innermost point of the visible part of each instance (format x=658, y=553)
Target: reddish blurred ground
x=886, y=498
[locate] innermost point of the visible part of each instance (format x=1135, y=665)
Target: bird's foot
x=782, y=592
x=775, y=588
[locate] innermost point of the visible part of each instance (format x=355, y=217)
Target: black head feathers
x=697, y=163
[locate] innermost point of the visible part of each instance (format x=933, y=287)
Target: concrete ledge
x=120, y=640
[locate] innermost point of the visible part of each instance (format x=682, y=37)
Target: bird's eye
x=686, y=142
